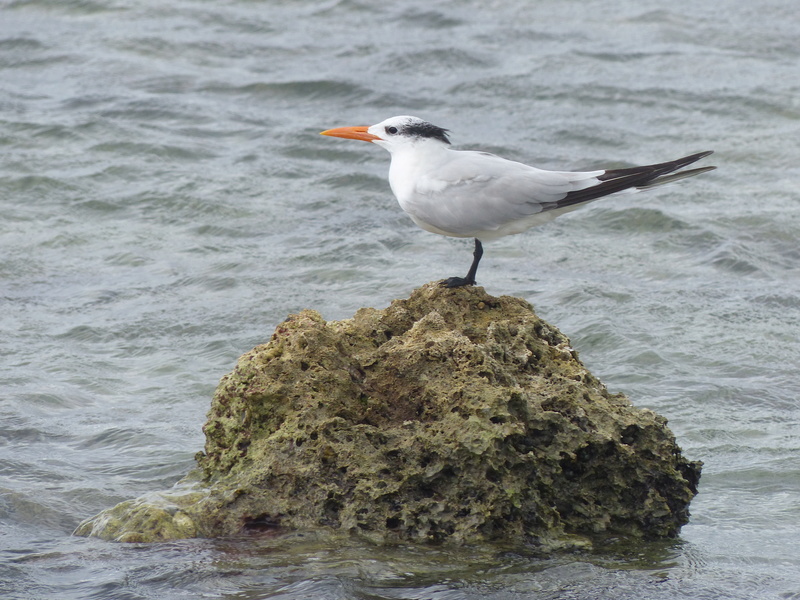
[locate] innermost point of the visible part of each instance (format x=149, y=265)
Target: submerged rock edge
x=450, y=416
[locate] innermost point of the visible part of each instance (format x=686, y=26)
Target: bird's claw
x=454, y=282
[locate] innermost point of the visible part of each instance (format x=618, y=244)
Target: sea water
x=166, y=200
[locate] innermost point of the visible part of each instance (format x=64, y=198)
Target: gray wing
x=475, y=194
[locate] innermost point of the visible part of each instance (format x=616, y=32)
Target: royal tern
x=482, y=196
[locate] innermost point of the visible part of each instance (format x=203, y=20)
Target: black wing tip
x=644, y=177
x=655, y=170
x=695, y=157
x=685, y=161
x=682, y=163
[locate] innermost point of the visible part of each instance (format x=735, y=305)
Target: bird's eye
x=391, y=130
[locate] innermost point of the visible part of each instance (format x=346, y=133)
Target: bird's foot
x=454, y=282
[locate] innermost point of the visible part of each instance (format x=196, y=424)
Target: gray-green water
x=166, y=200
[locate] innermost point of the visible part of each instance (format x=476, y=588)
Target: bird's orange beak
x=352, y=133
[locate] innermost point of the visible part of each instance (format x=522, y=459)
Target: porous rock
x=449, y=416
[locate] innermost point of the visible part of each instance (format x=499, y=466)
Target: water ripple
x=166, y=200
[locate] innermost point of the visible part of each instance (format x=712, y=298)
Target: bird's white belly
x=488, y=235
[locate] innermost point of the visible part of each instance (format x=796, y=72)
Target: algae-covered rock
x=449, y=416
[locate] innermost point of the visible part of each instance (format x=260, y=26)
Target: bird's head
x=394, y=133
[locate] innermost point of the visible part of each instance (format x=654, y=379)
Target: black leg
x=470, y=278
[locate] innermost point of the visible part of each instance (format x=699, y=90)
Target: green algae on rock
x=450, y=416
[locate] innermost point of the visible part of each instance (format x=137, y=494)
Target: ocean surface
x=166, y=200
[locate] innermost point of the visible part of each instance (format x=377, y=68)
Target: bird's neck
x=413, y=165
x=421, y=155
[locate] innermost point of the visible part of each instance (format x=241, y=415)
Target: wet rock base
x=450, y=416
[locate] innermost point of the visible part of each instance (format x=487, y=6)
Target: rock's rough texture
x=449, y=416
